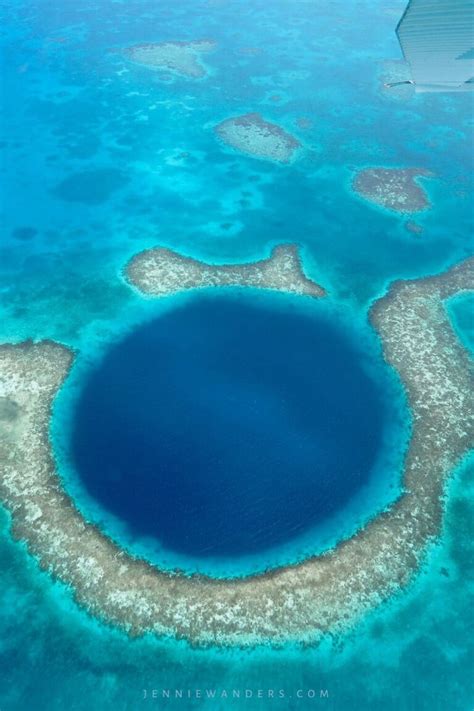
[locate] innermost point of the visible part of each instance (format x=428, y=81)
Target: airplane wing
x=437, y=40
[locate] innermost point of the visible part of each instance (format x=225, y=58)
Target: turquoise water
x=461, y=310
x=101, y=159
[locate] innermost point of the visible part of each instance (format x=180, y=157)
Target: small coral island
x=325, y=593
x=253, y=135
x=160, y=271
x=395, y=189
x=183, y=58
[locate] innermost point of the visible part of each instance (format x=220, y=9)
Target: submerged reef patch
x=91, y=187
x=253, y=135
x=160, y=271
x=413, y=227
x=183, y=58
x=24, y=233
x=326, y=593
x=393, y=188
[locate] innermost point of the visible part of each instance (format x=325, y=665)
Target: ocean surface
x=235, y=431
x=102, y=159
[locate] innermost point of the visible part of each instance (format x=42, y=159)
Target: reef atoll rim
x=395, y=189
x=253, y=135
x=181, y=58
x=160, y=272
x=302, y=602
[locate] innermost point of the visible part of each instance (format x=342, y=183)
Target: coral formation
x=160, y=271
x=253, y=135
x=300, y=602
x=177, y=57
x=393, y=188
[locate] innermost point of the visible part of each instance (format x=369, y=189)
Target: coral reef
x=160, y=271
x=181, y=58
x=301, y=602
x=393, y=188
x=413, y=227
x=253, y=135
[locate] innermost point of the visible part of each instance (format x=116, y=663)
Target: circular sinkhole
x=226, y=427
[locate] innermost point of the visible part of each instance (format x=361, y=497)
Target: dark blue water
x=225, y=428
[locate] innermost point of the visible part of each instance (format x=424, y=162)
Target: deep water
x=224, y=428
x=101, y=160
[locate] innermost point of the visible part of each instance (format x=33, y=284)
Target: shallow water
x=100, y=160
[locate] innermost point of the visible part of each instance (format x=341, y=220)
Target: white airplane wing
x=437, y=39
